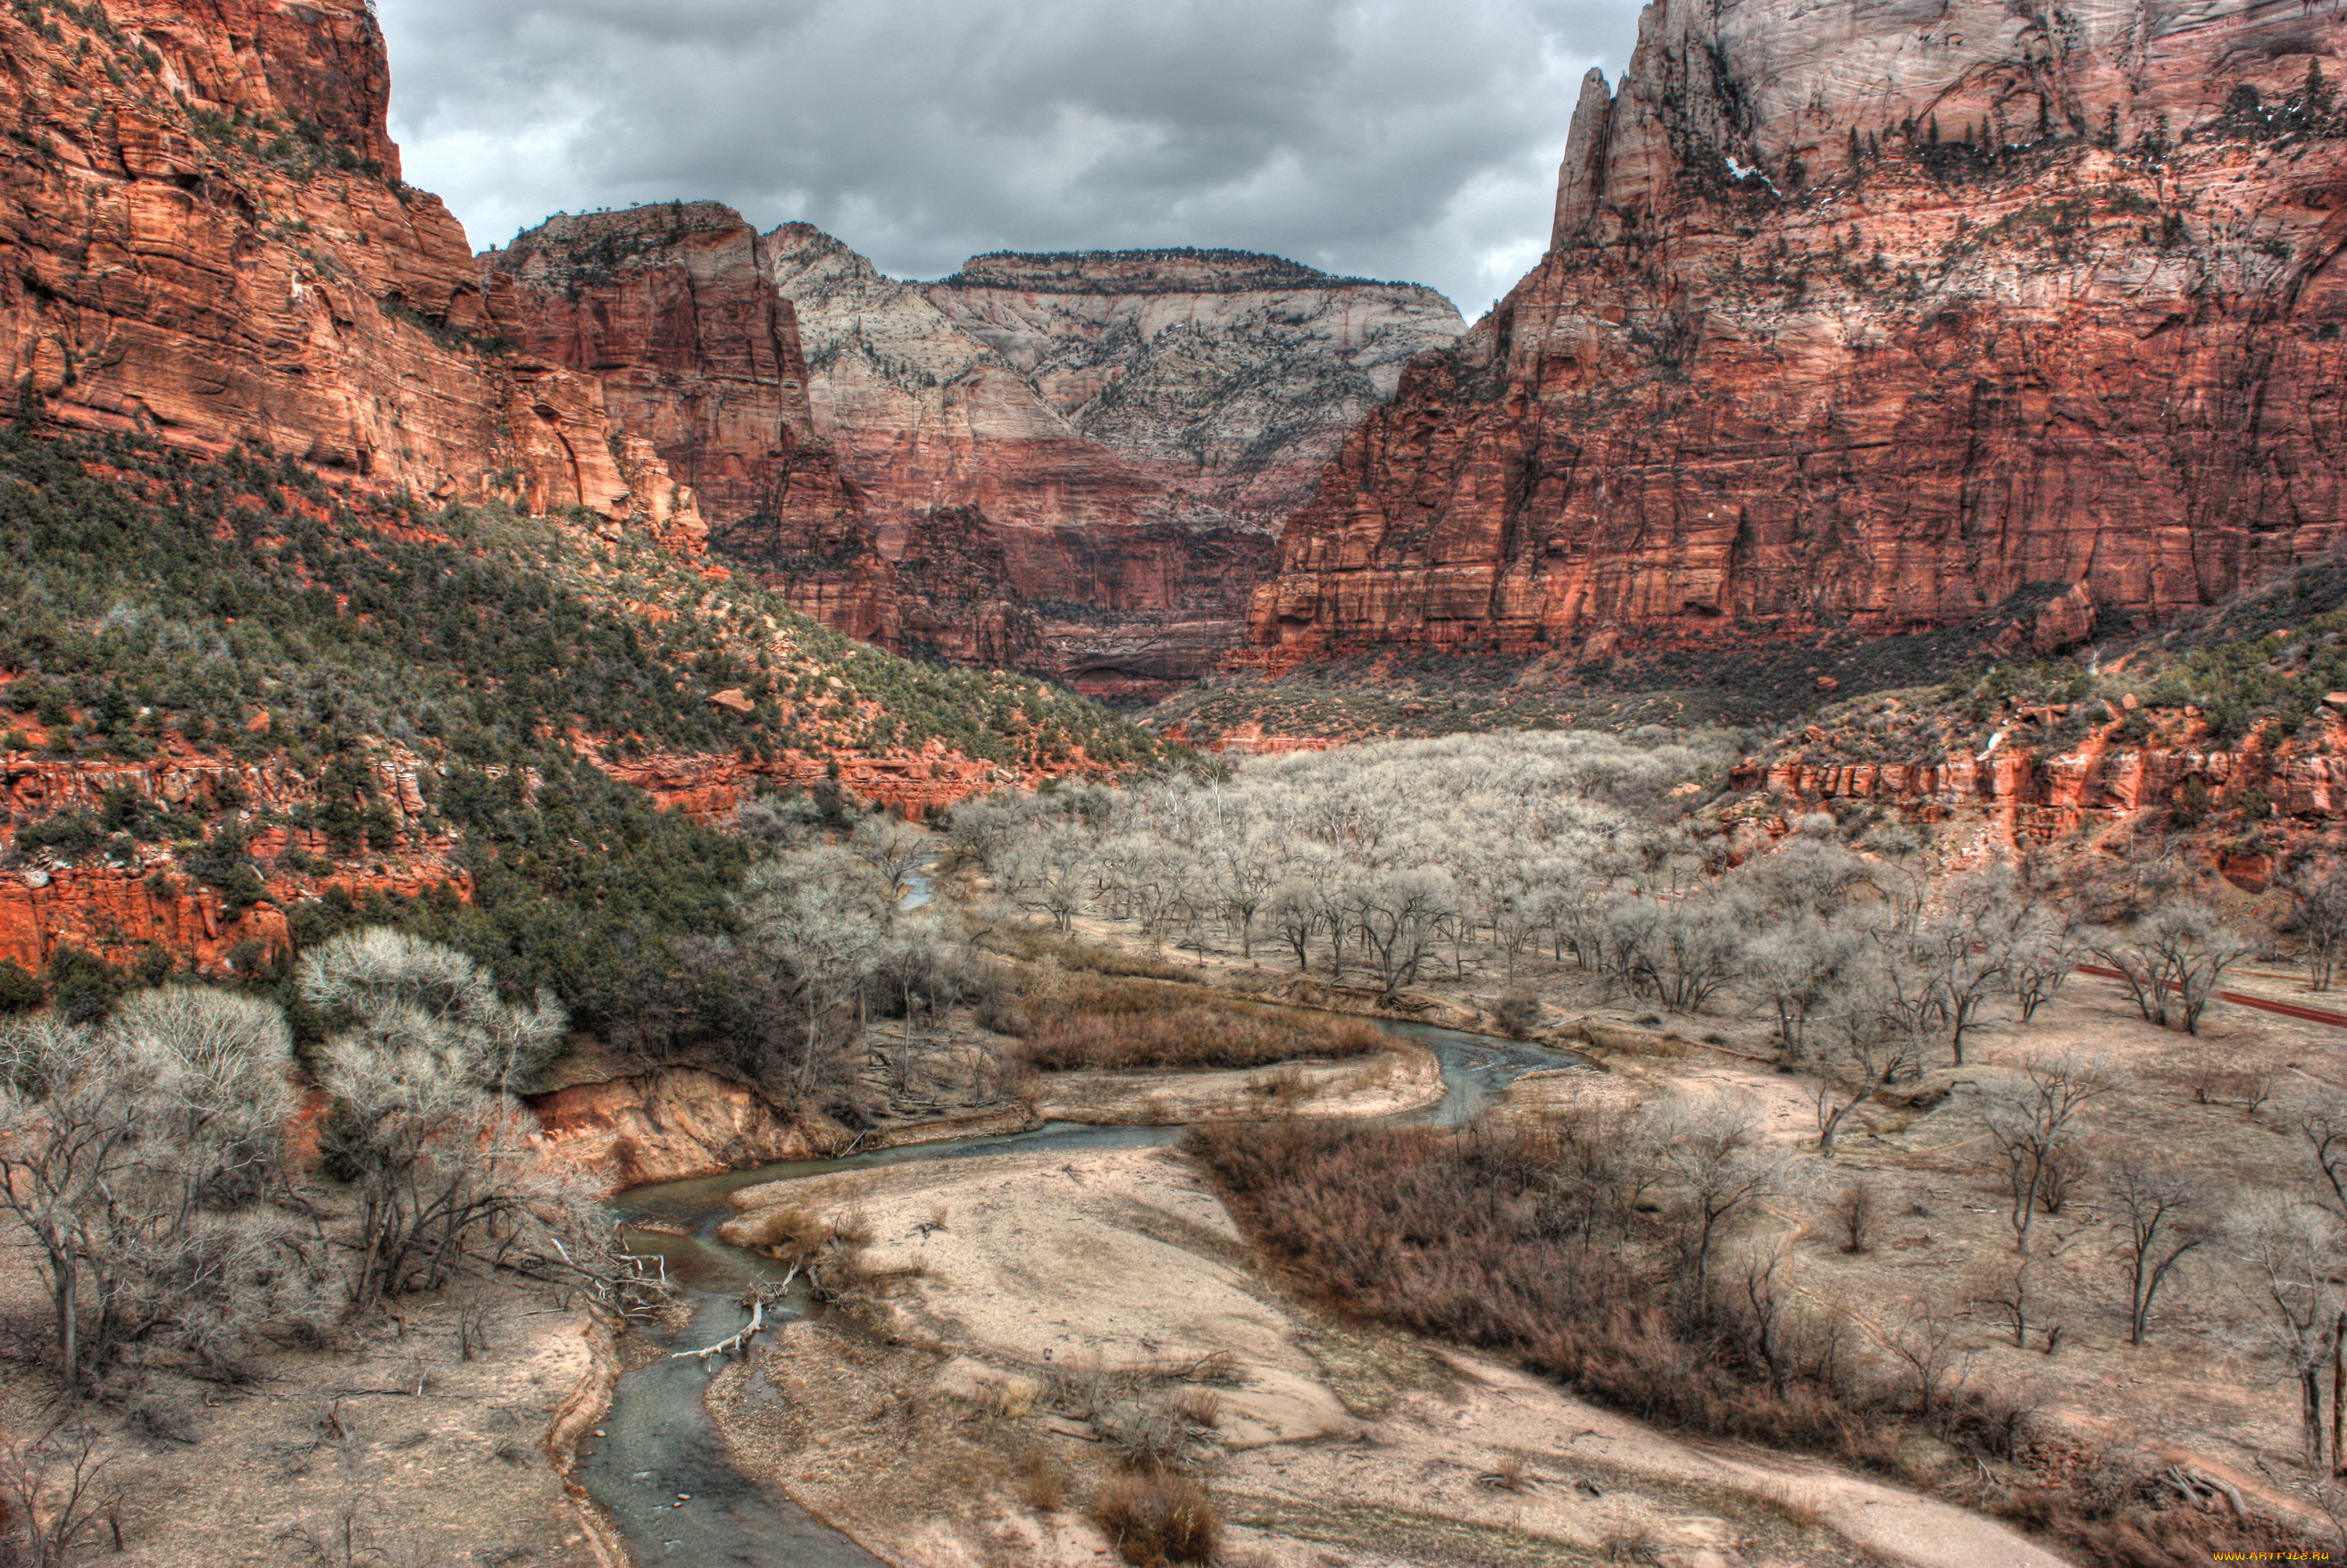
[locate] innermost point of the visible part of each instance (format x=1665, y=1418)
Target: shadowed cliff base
x=1618, y=679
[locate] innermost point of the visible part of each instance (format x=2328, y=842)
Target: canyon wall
x=1073, y=462
x=1866, y=319
x=669, y=308
x=204, y=236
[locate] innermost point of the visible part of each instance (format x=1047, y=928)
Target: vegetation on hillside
x=238, y=609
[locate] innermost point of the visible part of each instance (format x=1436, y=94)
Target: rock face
x=668, y=1125
x=1870, y=317
x=1070, y=463
x=668, y=308
x=203, y=235
x=115, y=907
x=1222, y=378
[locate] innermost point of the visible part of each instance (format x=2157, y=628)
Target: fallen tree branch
x=737, y=1343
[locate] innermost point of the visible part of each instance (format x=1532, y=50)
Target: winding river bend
x=662, y=1471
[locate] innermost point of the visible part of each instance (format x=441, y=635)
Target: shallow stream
x=659, y=1468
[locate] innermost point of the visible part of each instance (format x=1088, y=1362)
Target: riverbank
x=1018, y=1278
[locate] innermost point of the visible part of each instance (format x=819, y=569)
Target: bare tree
x=2320, y=886
x=1798, y=966
x=2162, y=1217
x=55, y=1490
x=2171, y=960
x=2039, y=963
x=135, y=1158
x=1923, y=1339
x=895, y=851
x=2030, y=1120
x=1863, y=1051
x=2012, y=1289
x=420, y=1060
x=1760, y=1295
x=1720, y=1171
x=1050, y=872
x=1293, y=912
x=1853, y=1217
x=2288, y=1258
x=1244, y=870
x=1398, y=917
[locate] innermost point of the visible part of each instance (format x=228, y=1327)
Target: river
x=661, y=1469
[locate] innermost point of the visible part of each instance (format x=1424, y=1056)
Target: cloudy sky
x=1392, y=138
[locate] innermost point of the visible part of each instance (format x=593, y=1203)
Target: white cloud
x=1399, y=139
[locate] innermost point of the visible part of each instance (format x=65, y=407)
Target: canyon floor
x=390, y=1445
x=2201, y=1392
x=919, y=1430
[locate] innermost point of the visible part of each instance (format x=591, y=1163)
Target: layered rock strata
x=204, y=235
x=1869, y=318
x=1072, y=462
x=669, y=310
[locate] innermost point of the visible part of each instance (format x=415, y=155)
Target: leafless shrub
x=1043, y=1481
x=1146, y=1434
x=361, y=1533
x=1719, y=1171
x=2011, y=1288
x=1506, y=1474
x=2065, y=1167
x=1926, y=1344
x=1081, y=1387
x=1198, y=1408
x=2213, y=1084
x=1517, y=1013
x=56, y=1493
x=1630, y=1543
x=1155, y=1519
x=1853, y=1217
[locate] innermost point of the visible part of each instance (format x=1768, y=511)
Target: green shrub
x=20, y=988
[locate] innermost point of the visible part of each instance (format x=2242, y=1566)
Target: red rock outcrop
x=914, y=784
x=669, y=308
x=1868, y=319
x=133, y=896
x=2043, y=798
x=203, y=235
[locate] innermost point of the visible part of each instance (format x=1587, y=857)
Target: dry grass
x=1464, y=1238
x=1043, y=1481
x=1157, y=1519
x=1032, y=943
x=1076, y=1023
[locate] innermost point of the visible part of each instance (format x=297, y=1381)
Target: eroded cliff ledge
x=1870, y=319
x=204, y=236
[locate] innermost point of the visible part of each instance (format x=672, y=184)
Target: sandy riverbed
x=1335, y=1446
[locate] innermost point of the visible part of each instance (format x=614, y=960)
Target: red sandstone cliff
x=1867, y=318
x=203, y=234
x=670, y=309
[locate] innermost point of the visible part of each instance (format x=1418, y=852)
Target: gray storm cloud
x=1398, y=138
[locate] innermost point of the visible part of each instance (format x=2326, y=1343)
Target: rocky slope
x=1867, y=320
x=214, y=654
x=206, y=238
x=1070, y=461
